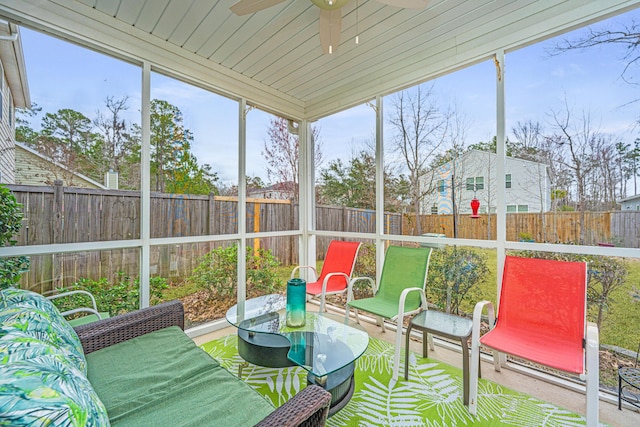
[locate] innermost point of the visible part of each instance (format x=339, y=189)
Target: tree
x=168, y=137
x=282, y=154
x=621, y=34
x=173, y=167
x=354, y=184
x=577, y=141
x=24, y=132
x=420, y=130
x=190, y=178
x=67, y=139
x=626, y=35
x=118, y=140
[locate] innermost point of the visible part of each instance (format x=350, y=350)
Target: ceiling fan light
x=329, y=4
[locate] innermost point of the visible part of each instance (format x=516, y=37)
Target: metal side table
x=445, y=325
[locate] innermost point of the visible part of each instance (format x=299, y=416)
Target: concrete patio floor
x=521, y=382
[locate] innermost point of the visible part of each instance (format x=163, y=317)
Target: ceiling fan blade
x=245, y=7
x=330, y=26
x=407, y=4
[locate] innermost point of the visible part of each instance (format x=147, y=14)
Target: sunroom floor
x=510, y=378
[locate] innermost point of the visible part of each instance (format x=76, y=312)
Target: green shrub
x=11, y=268
x=453, y=276
x=117, y=298
x=217, y=271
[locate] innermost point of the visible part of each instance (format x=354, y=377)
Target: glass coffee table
x=327, y=346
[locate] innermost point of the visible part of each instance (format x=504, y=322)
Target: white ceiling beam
x=559, y=17
x=76, y=22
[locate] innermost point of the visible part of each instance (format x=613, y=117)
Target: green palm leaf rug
x=431, y=397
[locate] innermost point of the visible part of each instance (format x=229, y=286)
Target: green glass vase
x=296, y=302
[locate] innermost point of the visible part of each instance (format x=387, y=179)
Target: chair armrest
x=403, y=297
x=309, y=408
x=329, y=276
x=106, y=332
x=81, y=310
x=300, y=267
x=357, y=279
x=475, y=332
x=76, y=292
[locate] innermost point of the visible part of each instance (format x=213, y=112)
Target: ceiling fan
x=330, y=15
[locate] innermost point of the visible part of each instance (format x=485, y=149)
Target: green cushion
x=88, y=319
x=163, y=378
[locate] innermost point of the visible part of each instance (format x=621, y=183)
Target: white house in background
x=33, y=168
x=473, y=174
x=630, y=203
x=14, y=93
x=279, y=191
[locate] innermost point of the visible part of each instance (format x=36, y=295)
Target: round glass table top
x=326, y=342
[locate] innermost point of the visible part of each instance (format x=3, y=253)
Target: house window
x=470, y=183
x=476, y=183
x=441, y=186
x=517, y=208
x=507, y=181
x=434, y=209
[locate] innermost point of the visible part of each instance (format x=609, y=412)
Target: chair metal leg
x=619, y=393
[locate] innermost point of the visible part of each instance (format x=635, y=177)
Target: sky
x=63, y=75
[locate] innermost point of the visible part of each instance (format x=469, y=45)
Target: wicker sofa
x=141, y=369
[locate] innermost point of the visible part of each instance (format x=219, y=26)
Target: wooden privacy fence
x=57, y=214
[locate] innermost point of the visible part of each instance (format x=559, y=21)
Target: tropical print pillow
x=48, y=391
x=25, y=298
x=38, y=318
x=16, y=345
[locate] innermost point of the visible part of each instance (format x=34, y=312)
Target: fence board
x=67, y=215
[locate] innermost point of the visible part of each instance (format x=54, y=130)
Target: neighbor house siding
x=7, y=136
x=473, y=174
x=33, y=169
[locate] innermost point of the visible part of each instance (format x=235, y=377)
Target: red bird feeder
x=475, y=204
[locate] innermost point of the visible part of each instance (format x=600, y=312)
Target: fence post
x=58, y=231
x=344, y=219
x=212, y=214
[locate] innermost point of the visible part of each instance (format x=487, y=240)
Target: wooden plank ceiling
x=273, y=57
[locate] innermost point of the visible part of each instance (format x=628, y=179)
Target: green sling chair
x=399, y=293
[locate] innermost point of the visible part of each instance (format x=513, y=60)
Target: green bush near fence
x=216, y=272
x=454, y=274
x=11, y=268
x=119, y=297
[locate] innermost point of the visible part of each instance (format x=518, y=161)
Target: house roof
x=21, y=146
x=12, y=59
x=474, y=152
x=273, y=58
x=630, y=199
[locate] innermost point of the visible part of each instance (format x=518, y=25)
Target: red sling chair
x=541, y=318
x=336, y=270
